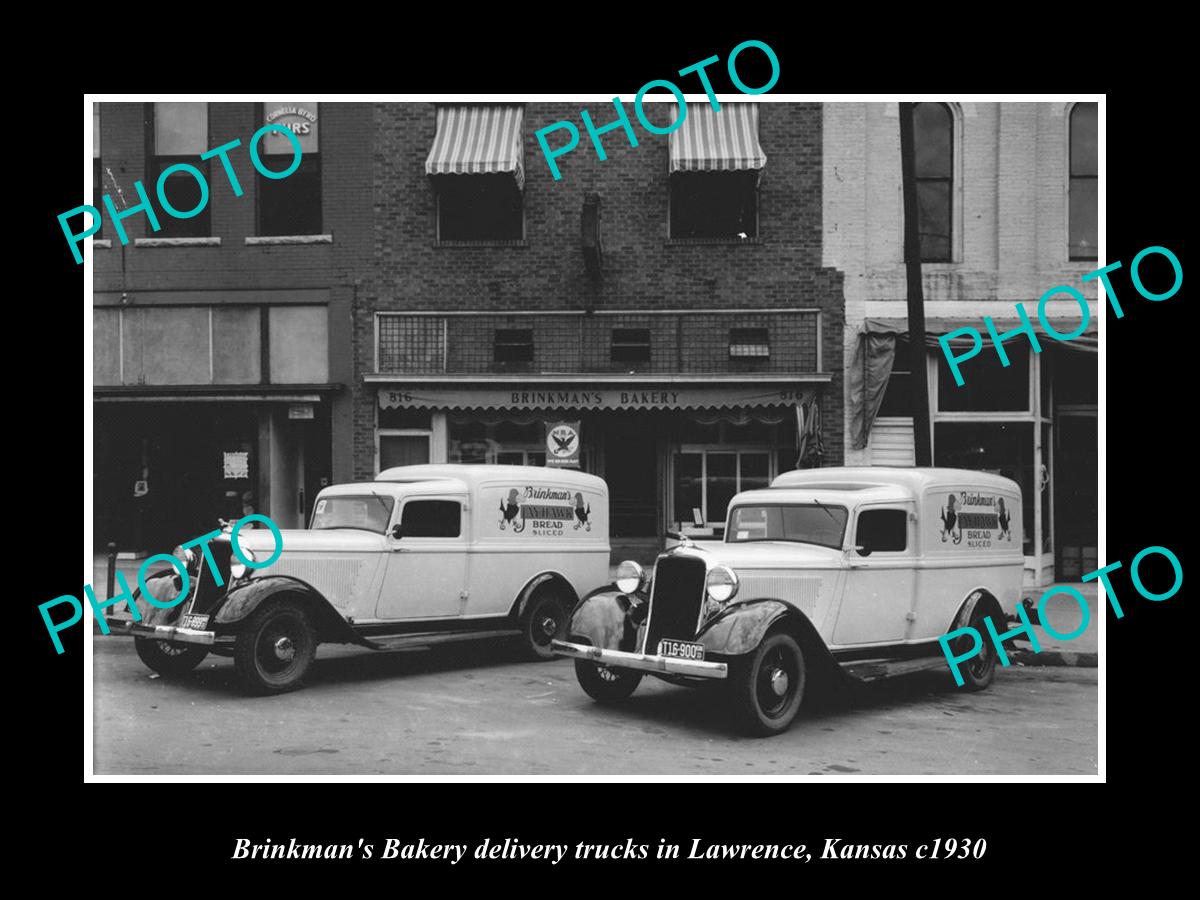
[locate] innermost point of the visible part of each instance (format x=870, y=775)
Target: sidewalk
x=1063, y=615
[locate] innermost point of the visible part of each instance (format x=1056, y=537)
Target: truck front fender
x=241, y=601
x=739, y=629
x=605, y=618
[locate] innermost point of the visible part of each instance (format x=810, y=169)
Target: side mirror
x=862, y=550
x=397, y=531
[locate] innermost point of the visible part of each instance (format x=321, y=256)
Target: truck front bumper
x=642, y=661
x=159, y=632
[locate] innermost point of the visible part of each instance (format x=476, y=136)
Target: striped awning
x=477, y=140
x=712, y=141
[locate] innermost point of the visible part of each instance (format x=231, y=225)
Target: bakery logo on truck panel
x=547, y=511
x=983, y=518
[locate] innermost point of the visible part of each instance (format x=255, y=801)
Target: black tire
x=767, y=687
x=979, y=671
x=544, y=620
x=169, y=658
x=605, y=685
x=274, y=648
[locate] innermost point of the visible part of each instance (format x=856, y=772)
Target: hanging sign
x=562, y=444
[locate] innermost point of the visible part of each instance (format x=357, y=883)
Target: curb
x=1055, y=658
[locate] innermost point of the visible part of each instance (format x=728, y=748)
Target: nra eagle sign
x=562, y=444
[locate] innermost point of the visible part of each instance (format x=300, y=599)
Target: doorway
x=631, y=470
x=1076, y=504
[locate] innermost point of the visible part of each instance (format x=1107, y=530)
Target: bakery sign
x=605, y=396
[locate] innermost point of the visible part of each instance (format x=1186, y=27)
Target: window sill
x=102, y=244
x=702, y=242
x=178, y=242
x=281, y=240
x=439, y=244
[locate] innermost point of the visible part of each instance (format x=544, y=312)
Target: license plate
x=199, y=623
x=680, y=649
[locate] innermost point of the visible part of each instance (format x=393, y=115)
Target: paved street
x=478, y=709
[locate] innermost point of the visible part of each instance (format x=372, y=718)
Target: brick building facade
x=699, y=351
x=222, y=342
x=1009, y=210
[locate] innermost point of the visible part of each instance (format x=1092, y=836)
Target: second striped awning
x=712, y=141
x=477, y=140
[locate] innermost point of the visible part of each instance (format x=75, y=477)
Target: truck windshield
x=369, y=512
x=816, y=523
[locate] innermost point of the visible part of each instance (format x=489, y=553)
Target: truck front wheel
x=767, y=687
x=274, y=648
x=605, y=685
x=169, y=658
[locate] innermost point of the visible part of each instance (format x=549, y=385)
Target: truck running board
x=428, y=638
x=874, y=669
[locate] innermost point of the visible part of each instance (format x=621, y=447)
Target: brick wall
x=641, y=270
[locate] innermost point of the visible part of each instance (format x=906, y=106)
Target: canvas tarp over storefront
x=875, y=352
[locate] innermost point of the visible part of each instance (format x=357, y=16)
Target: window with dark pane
x=714, y=205
x=292, y=205
x=933, y=146
x=987, y=385
x=882, y=530
x=431, y=518
x=630, y=345
x=513, y=347
x=749, y=343
x=479, y=208
x=97, y=173
x=1084, y=185
x=897, y=396
x=178, y=134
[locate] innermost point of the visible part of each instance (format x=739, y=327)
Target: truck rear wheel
x=274, y=648
x=605, y=685
x=169, y=658
x=979, y=671
x=545, y=620
x=767, y=687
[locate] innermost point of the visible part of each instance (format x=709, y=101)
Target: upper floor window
x=178, y=135
x=715, y=164
x=933, y=146
x=1083, y=188
x=630, y=345
x=478, y=172
x=513, y=348
x=749, y=343
x=479, y=208
x=291, y=205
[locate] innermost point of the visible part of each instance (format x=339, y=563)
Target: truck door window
x=883, y=530
x=431, y=518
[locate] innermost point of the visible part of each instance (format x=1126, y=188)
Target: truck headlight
x=629, y=576
x=721, y=583
x=237, y=568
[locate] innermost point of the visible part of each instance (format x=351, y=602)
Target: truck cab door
x=427, y=560
x=877, y=604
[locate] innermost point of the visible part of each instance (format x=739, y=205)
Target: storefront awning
x=620, y=396
x=477, y=140
x=876, y=351
x=711, y=141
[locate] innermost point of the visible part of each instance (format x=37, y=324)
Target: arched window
x=1083, y=192
x=933, y=139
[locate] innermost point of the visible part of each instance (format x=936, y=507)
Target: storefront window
x=708, y=480
x=501, y=443
x=404, y=437
x=987, y=385
x=1002, y=448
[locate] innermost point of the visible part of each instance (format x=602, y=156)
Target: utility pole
x=915, y=292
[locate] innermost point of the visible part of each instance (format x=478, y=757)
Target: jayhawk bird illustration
x=949, y=520
x=510, y=510
x=581, y=514
x=1005, y=532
